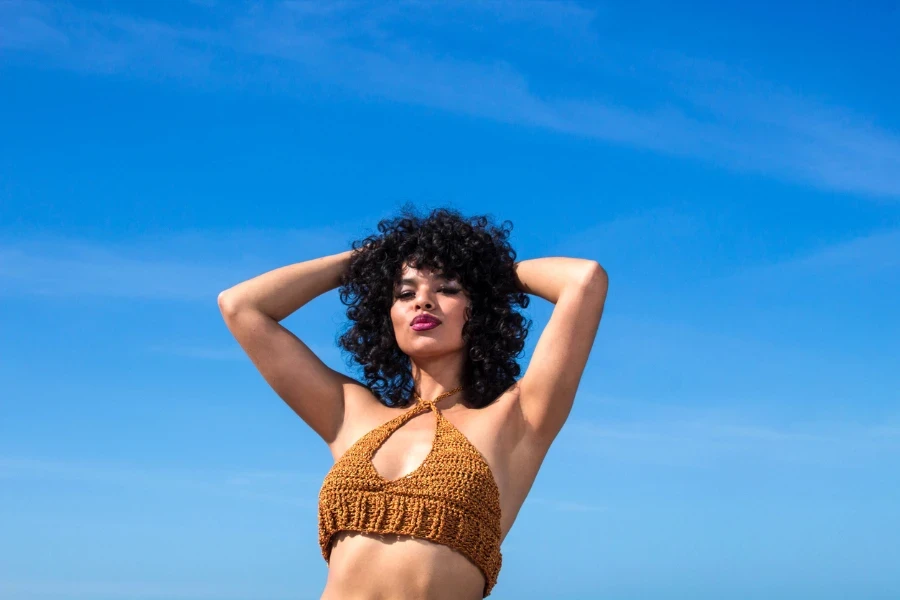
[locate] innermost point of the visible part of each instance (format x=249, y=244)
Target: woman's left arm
x=578, y=289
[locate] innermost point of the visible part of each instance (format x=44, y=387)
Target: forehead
x=411, y=275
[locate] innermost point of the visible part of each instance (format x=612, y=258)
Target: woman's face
x=427, y=293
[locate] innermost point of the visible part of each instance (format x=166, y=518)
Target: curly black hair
x=472, y=250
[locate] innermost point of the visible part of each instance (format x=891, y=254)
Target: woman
x=437, y=450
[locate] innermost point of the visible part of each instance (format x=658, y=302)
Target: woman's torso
x=368, y=566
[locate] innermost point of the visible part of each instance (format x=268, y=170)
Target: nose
x=423, y=299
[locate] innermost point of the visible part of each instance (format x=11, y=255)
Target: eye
x=450, y=290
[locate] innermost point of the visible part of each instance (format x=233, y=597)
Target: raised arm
x=578, y=289
x=252, y=311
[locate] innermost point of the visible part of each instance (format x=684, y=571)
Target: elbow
x=226, y=304
x=595, y=278
x=595, y=285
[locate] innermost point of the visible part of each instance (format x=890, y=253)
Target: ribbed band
x=431, y=519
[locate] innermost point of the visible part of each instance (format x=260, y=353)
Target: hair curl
x=472, y=250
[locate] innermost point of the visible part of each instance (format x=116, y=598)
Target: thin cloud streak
x=201, y=352
x=235, y=484
x=138, y=590
x=153, y=267
x=868, y=254
x=876, y=254
x=105, y=274
x=706, y=442
x=331, y=355
x=566, y=505
x=744, y=125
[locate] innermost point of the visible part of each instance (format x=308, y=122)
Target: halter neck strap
x=421, y=401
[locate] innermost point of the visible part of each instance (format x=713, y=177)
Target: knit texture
x=451, y=498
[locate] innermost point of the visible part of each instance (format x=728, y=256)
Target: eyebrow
x=412, y=281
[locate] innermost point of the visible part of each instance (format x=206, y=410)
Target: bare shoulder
x=520, y=452
x=514, y=454
x=505, y=417
x=500, y=430
x=363, y=411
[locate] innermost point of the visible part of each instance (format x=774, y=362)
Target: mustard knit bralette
x=451, y=498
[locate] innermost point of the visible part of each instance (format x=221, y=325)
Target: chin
x=427, y=350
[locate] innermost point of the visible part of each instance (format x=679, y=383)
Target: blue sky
x=736, y=170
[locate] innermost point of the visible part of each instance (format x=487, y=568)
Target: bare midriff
x=367, y=566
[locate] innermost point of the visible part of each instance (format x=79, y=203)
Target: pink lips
x=424, y=322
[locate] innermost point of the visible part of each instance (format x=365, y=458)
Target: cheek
x=396, y=319
x=460, y=313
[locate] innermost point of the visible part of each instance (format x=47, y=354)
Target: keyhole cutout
x=406, y=448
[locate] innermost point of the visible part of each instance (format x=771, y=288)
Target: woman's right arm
x=252, y=311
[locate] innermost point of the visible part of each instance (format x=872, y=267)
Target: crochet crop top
x=452, y=498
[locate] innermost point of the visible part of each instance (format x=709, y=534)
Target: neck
x=434, y=376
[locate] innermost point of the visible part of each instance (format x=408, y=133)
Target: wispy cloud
x=682, y=437
x=647, y=242
x=154, y=267
x=139, y=590
x=415, y=53
x=566, y=505
x=872, y=254
x=268, y=486
x=875, y=255
x=330, y=354
x=201, y=352
x=763, y=126
x=877, y=251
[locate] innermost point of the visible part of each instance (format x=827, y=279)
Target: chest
x=493, y=431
